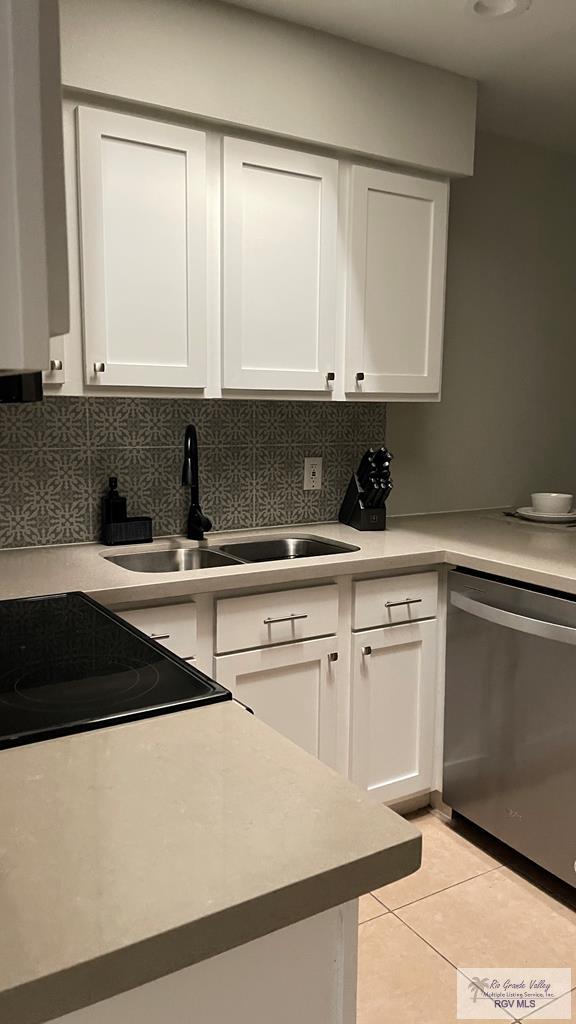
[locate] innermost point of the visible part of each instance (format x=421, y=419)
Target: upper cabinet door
x=279, y=288
x=33, y=250
x=396, y=278
x=143, y=234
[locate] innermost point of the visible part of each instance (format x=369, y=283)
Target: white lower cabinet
x=393, y=700
x=373, y=718
x=293, y=688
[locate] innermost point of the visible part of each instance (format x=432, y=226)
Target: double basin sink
x=241, y=552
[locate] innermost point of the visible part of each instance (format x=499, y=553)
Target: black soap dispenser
x=113, y=506
x=117, y=526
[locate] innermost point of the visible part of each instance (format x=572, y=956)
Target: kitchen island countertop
x=137, y=850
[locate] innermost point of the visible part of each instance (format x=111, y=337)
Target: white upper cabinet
x=33, y=250
x=395, y=288
x=143, y=248
x=279, y=268
x=232, y=266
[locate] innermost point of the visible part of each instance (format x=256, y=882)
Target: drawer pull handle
x=159, y=636
x=407, y=600
x=191, y=658
x=333, y=656
x=366, y=651
x=286, y=618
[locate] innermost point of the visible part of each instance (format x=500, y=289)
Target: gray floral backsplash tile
x=56, y=457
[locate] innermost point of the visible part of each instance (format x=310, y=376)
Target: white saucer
x=546, y=517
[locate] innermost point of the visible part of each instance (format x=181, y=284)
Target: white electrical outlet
x=312, y=474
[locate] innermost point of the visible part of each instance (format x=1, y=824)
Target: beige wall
x=507, y=421
x=232, y=65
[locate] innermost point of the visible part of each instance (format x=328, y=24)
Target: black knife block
x=354, y=513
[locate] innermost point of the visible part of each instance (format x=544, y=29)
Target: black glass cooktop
x=67, y=664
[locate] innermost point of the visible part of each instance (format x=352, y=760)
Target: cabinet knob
x=366, y=650
x=55, y=364
x=330, y=378
x=99, y=367
x=333, y=656
x=359, y=378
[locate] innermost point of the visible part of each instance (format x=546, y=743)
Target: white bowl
x=548, y=501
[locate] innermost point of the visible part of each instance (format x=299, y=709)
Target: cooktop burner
x=67, y=664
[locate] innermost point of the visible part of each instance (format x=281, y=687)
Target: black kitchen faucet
x=198, y=523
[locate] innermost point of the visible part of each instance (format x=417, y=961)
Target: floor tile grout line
x=520, y=1020
x=436, y=891
x=444, y=957
x=376, y=916
x=380, y=901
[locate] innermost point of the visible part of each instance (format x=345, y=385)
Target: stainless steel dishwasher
x=510, y=715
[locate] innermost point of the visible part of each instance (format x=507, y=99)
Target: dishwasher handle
x=511, y=620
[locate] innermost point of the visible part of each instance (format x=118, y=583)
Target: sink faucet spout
x=198, y=523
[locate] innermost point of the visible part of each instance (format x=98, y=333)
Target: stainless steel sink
x=173, y=560
x=265, y=549
x=269, y=549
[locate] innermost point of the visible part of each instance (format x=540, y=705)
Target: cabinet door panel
x=280, y=210
x=33, y=254
x=396, y=283
x=393, y=702
x=142, y=209
x=291, y=688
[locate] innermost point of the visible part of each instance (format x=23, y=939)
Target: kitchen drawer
x=172, y=625
x=276, y=618
x=391, y=599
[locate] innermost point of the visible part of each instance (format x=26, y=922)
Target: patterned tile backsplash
x=56, y=457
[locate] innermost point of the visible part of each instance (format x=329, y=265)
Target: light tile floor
x=464, y=906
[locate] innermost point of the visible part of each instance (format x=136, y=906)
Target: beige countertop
x=487, y=541
x=133, y=851
x=150, y=846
